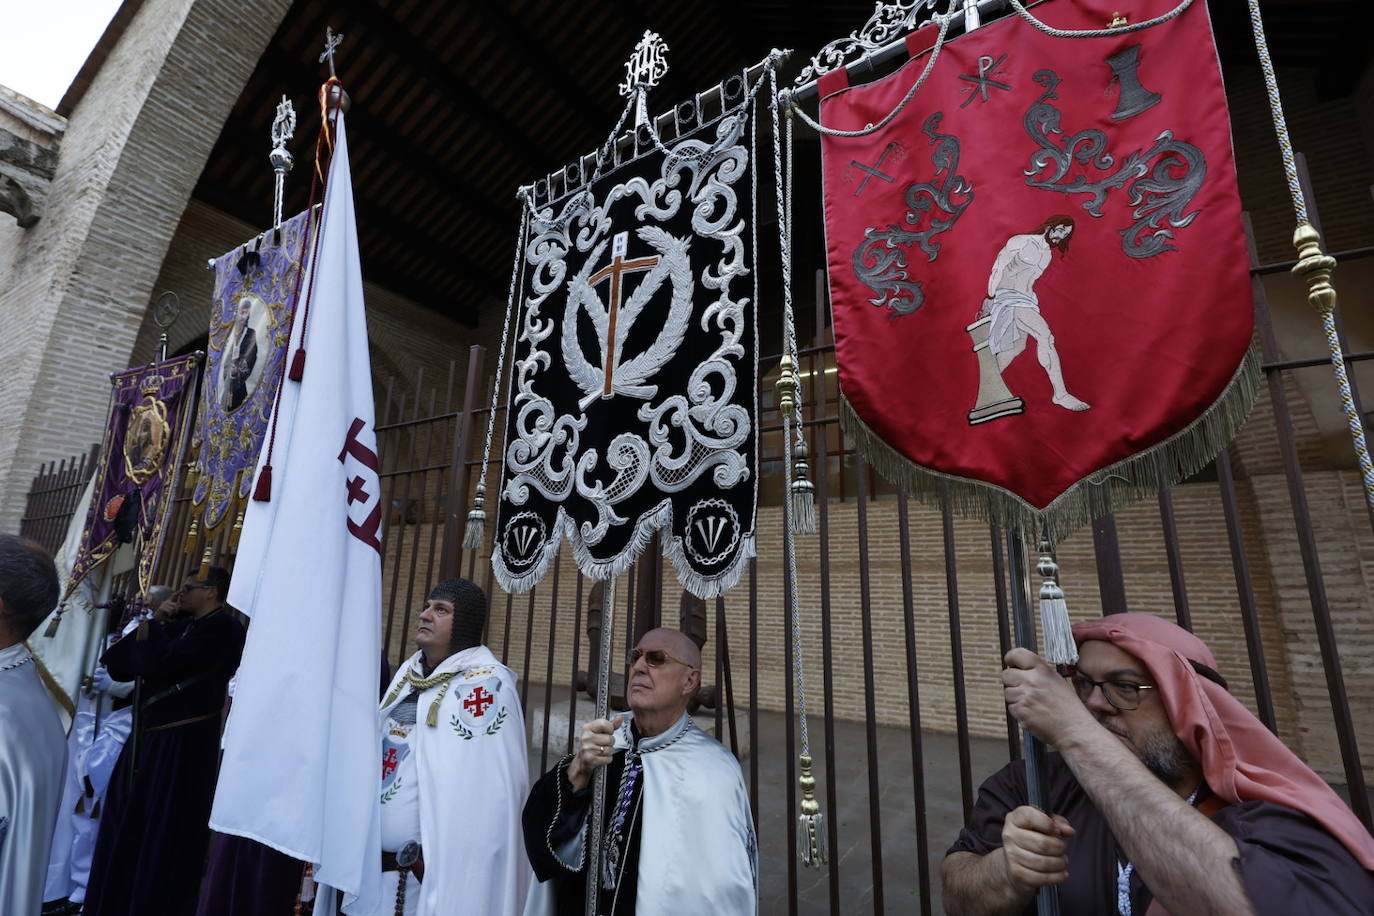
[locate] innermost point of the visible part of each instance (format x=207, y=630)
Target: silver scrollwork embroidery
x=880, y=260
x=1160, y=182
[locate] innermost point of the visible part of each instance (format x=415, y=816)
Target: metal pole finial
x=283, y=129
x=331, y=42
x=647, y=65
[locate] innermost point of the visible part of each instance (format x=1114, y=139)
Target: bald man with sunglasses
x=678, y=835
x=1166, y=795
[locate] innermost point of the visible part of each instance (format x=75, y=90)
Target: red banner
x=1037, y=267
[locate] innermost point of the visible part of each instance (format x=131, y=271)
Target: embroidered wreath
x=460, y=729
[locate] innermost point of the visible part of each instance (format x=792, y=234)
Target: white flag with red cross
x=302, y=746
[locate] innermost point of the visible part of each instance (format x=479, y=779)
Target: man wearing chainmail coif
x=454, y=771
x=678, y=835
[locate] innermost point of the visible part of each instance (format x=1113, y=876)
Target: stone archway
x=74, y=292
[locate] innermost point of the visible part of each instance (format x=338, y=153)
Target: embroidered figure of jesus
x=1015, y=309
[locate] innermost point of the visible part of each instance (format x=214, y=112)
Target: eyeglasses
x=193, y=587
x=1124, y=695
x=654, y=658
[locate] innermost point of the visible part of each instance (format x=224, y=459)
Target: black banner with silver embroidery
x=633, y=397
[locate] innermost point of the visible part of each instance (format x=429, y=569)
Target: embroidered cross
x=873, y=170
x=356, y=493
x=987, y=69
x=478, y=701
x=389, y=763
x=613, y=271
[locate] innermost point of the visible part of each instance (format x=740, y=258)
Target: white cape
x=474, y=775
x=697, y=849
x=33, y=754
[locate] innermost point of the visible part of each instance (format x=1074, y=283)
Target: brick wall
x=1295, y=674
x=75, y=295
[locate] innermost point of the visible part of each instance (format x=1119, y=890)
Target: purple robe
x=153, y=834
x=1288, y=863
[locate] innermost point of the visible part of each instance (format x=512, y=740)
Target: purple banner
x=145, y=439
x=250, y=326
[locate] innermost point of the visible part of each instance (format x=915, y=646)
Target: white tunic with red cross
x=466, y=777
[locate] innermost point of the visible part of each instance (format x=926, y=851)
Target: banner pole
x=603, y=689
x=1033, y=749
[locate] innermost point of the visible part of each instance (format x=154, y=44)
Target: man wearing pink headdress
x=1166, y=795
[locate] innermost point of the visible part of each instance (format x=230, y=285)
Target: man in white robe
x=454, y=770
x=33, y=749
x=678, y=836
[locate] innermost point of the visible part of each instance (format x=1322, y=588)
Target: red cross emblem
x=478, y=701
x=389, y=763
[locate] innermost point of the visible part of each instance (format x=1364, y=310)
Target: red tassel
x=297, y=365
x=263, y=491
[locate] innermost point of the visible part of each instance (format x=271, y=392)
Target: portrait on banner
x=250, y=326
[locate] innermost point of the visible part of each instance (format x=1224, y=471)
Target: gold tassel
x=1059, y=647
x=51, y=631
x=813, y=847
x=433, y=718
x=193, y=536
x=236, y=531
x=476, y=531
x=204, y=570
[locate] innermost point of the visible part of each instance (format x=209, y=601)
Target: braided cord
x=1313, y=264
x=1352, y=416
x=785, y=229
x=789, y=316
x=505, y=336
x=1271, y=88
x=1098, y=33
x=910, y=94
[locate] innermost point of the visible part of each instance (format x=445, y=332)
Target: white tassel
x=475, y=533
x=803, y=493
x=1059, y=647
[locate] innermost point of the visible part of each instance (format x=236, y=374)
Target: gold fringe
x=50, y=682
x=1137, y=477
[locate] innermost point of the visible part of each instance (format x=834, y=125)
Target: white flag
x=302, y=750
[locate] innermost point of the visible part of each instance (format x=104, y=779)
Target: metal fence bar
x=913, y=694
x=1305, y=181
x=822, y=484
x=999, y=578
x=457, y=503
x=1245, y=592
x=1311, y=561
x=956, y=655
x=789, y=742
x=1111, y=583
x=875, y=828
x=1171, y=550
x=576, y=660
x=548, y=674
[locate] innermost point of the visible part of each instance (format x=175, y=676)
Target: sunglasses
x=654, y=658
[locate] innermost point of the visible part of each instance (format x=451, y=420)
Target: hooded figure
x=452, y=718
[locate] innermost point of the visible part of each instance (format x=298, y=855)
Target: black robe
x=151, y=849
x=1288, y=863
x=554, y=813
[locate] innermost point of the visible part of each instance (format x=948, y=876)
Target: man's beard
x=1164, y=755
x=1161, y=752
